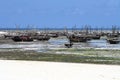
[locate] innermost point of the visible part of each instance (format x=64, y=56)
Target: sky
x=59, y=13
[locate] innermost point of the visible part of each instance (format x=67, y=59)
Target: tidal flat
x=54, y=50
x=95, y=56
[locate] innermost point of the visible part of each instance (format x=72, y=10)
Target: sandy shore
x=35, y=70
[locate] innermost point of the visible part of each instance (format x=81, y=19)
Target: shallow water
x=103, y=44
x=43, y=46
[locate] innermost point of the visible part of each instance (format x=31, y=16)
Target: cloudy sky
x=59, y=13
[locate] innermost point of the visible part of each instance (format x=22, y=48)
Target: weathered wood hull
x=77, y=39
x=21, y=39
x=69, y=45
x=113, y=41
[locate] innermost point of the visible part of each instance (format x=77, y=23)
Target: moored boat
x=43, y=38
x=112, y=41
x=22, y=38
x=74, y=38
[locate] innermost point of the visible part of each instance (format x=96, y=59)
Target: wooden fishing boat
x=54, y=35
x=8, y=36
x=22, y=38
x=43, y=38
x=74, y=38
x=68, y=45
x=96, y=37
x=113, y=40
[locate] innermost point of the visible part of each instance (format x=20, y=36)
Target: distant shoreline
x=55, y=29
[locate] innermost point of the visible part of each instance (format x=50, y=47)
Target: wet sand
x=93, y=51
x=55, y=43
